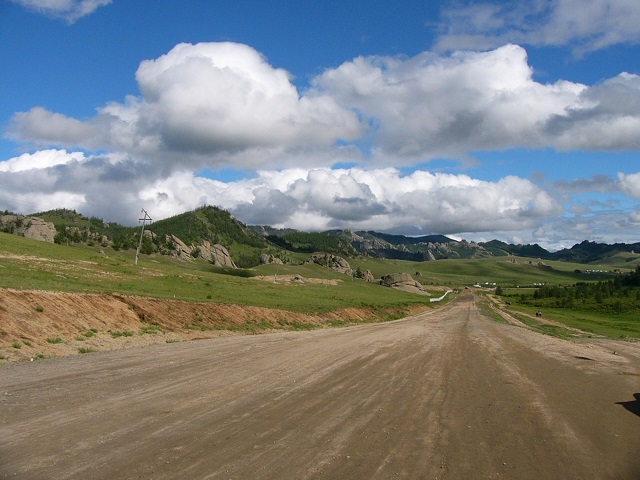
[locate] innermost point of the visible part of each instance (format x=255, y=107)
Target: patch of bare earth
x=296, y=280
x=37, y=324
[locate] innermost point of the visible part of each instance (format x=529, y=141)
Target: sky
x=509, y=120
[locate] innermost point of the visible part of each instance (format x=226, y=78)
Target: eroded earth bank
x=39, y=324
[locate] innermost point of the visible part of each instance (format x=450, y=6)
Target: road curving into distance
x=445, y=395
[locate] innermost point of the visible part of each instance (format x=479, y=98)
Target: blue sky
x=511, y=120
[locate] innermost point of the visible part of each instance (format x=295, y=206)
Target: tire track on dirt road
x=449, y=394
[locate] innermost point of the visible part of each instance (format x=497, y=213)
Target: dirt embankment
x=37, y=324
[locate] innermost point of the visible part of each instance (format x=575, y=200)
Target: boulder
x=331, y=261
x=367, y=276
x=266, y=259
x=400, y=280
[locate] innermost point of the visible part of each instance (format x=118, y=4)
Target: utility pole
x=146, y=218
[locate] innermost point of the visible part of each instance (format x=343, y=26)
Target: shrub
x=125, y=333
x=150, y=329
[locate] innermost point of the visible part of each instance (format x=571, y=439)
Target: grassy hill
x=247, y=243
x=74, y=227
x=216, y=226
x=29, y=264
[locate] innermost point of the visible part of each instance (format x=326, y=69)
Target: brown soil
x=448, y=394
x=32, y=320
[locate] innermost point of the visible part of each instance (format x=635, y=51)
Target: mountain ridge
x=210, y=225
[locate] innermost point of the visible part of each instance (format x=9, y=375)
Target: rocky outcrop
x=400, y=280
x=181, y=250
x=334, y=262
x=216, y=254
x=38, y=229
x=28, y=227
x=266, y=259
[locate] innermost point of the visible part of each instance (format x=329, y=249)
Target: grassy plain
x=32, y=265
x=504, y=271
x=612, y=325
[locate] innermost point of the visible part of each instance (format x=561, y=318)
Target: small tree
x=499, y=290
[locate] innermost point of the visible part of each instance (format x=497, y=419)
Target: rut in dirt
x=447, y=394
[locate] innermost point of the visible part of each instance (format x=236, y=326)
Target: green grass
x=545, y=328
x=150, y=329
x=43, y=266
x=84, y=350
x=124, y=333
x=487, y=311
x=29, y=264
x=54, y=340
x=612, y=326
x=616, y=326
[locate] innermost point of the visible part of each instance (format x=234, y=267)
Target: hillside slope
x=194, y=231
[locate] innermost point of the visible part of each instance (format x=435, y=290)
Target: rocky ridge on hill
x=210, y=231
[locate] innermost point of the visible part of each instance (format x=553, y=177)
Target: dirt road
x=446, y=395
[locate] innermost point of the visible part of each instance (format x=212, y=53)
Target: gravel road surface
x=445, y=395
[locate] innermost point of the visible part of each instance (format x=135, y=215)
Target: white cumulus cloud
x=39, y=160
x=205, y=104
x=432, y=105
x=321, y=199
x=223, y=104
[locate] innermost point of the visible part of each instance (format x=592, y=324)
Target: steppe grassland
x=28, y=264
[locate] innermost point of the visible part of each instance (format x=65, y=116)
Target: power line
x=143, y=220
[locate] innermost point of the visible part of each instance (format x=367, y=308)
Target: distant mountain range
x=247, y=244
